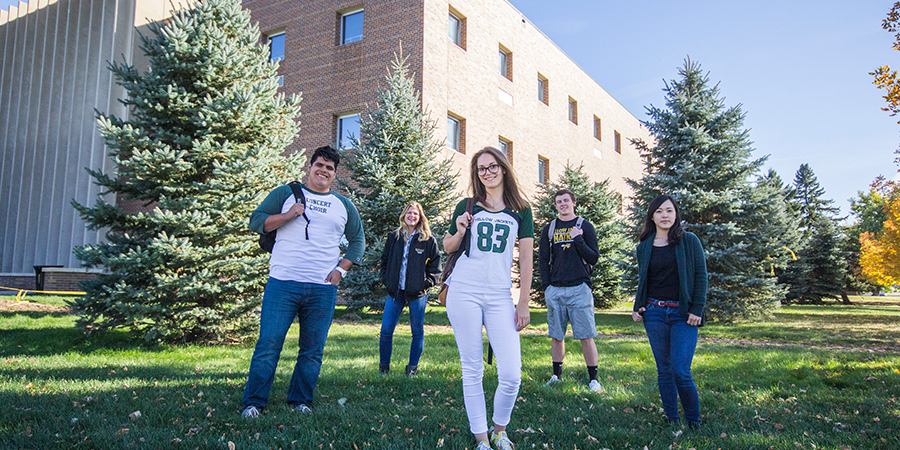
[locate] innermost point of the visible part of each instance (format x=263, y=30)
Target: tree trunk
x=845, y=300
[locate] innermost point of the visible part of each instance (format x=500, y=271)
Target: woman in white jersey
x=479, y=293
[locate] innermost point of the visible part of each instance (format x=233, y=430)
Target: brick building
x=486, y=74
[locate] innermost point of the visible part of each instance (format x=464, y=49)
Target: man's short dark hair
x=564, y=192
x=328, y=153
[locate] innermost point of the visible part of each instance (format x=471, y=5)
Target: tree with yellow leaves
x=879, y=258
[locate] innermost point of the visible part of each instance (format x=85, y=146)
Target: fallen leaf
x=779, y=426
x=440, y=442
x=677, y=433
x=230, y=445
x=628, y=410
x=135, y=415
x=723, y=435
x=342, y=400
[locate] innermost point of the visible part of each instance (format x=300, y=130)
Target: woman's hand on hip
x=638, y=315
x=693, y=320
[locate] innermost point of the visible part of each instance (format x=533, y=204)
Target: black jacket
x=423, y=267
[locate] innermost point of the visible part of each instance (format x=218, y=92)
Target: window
x=347, y=126
x=543, y=170
x=573, y=111
x=457, y=28
x=543, y=90
x=506, y=147
x=276, y=47
x=598, y=131
x=352, y=26
x=506, y=63
x=618, y=142
x=456, y=133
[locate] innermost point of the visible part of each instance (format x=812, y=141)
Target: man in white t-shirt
x=304, y=271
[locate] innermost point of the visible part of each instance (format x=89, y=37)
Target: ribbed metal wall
x=53, y=75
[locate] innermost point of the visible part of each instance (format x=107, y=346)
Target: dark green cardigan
x=692, y=277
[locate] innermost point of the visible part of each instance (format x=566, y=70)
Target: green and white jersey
x=493, y=240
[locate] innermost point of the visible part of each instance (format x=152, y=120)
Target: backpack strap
x=579, y=221
x=470, y=207
x=550, y=229
x=300, y=197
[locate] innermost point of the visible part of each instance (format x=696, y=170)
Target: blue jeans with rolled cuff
x=673, y=342
x=393, y=307
x=313, y=305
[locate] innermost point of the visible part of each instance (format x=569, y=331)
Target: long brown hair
x=423, y=228
x=513, y=197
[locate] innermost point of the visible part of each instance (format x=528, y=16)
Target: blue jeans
x=392, y=310
x=673, y=342
x=313, y=305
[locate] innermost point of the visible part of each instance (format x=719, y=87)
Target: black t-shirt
x=567, y=269
x=662, y=274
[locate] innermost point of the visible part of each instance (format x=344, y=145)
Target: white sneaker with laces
x=302, y=409
x=553, y=380
x=502, y=441
x=596, y=386
x=250, y=412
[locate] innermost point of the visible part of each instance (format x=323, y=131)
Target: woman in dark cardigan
x=670, y=298
x=410, y=265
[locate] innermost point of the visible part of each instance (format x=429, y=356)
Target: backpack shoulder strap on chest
x=300, y=197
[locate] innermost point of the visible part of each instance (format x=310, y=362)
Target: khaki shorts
x=573, y=304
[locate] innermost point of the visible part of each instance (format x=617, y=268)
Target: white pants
x=469, y=308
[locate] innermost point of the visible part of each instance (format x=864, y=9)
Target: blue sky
x=799, y=68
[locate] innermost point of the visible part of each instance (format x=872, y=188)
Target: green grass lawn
x=812, y=377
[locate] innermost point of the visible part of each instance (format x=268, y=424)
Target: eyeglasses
x=493, y=168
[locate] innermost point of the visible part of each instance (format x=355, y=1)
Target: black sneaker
x=412, y=370
x=384, y=370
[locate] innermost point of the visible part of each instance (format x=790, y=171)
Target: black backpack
x=267, y=240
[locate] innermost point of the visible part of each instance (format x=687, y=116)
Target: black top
x=662, y=274
x=423, y=267
x=567, y=269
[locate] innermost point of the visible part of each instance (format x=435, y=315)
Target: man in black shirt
x=568, y=251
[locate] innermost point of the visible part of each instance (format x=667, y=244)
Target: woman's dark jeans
x=673, y=342
x=393, y=307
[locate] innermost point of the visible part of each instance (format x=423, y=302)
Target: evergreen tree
x=820, y=270
x=809, y=200
x=394, y=161
x=776, y=236
x=702, y=157
x=201, y=148
x=599, y=206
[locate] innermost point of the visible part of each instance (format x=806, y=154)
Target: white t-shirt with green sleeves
x=331, y=216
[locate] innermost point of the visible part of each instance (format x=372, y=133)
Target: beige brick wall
x=468, y=83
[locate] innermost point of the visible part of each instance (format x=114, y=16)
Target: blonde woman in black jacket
x=410, y=265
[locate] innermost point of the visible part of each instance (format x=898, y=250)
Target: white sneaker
x=250, y=412
x=501, y=440
x=483, y=445
x=553, y=380
x=596, y=386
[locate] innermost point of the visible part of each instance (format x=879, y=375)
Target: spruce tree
x=201, y=148
x=395, y=160
x=702, y=157
x=599, y=206
x=820, y=270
